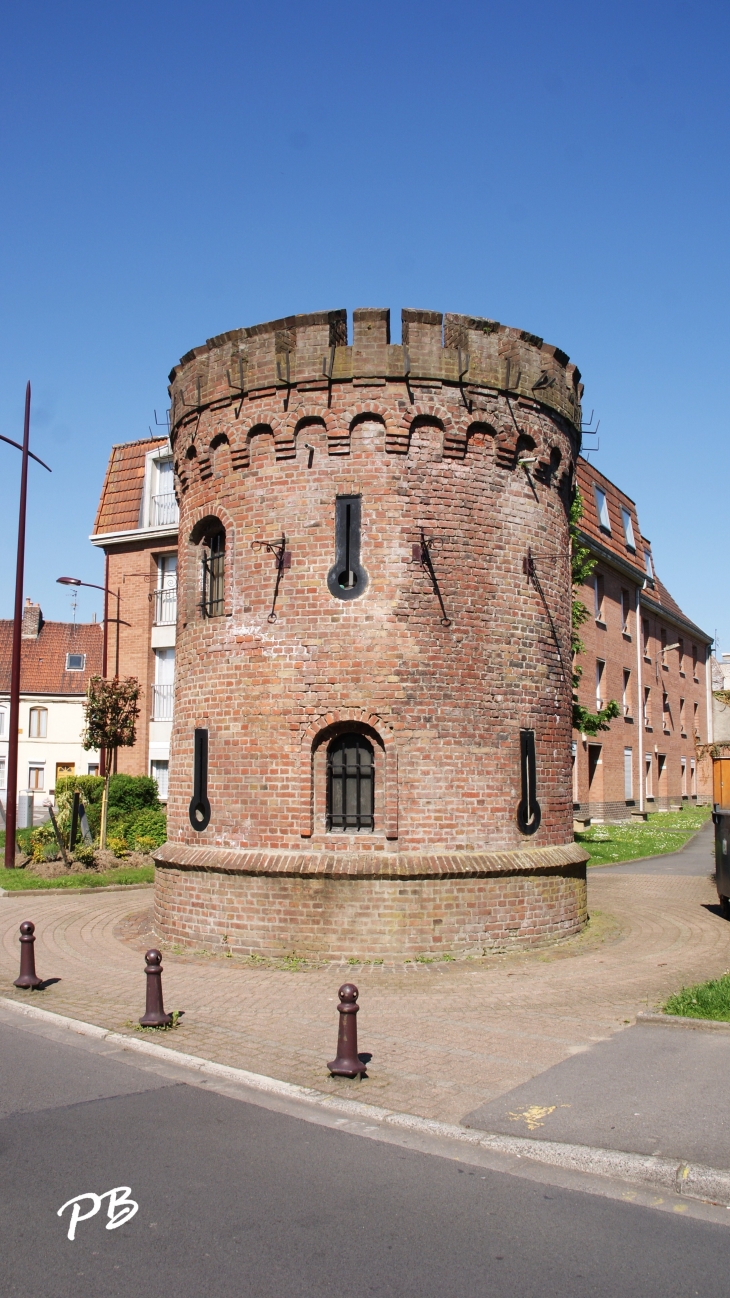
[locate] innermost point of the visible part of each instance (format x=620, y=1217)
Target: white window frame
x=69, y=668
x=604, y=522
x=41, y=714
x=628, y=529
x=40, y=769
x=626, y=692
x=600, y=675
x=648, y=565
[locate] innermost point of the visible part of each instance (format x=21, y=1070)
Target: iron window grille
x=350, y=780
x=214, y=554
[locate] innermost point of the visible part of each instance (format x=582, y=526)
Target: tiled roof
x=659, y=595
x=121, y=495
x=43, y=660
x=614, y=541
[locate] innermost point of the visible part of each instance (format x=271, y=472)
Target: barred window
x=350, y=776
x=214, y=556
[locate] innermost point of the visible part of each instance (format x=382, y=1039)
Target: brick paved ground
x=444, y=1037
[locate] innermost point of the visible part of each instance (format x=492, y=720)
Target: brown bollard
x=154, y=1015
x=28, y=976
x=347, y=1063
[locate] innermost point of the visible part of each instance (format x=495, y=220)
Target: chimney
x=32, y=621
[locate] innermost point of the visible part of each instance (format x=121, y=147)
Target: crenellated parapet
x=478, y=358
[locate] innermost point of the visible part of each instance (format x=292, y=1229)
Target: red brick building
x=136, y=526
x=371, y=740
x=644, y=652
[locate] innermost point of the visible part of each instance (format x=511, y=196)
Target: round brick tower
x=371, y=747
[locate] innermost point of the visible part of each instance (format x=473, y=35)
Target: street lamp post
x=11, y=793
x=76, y=581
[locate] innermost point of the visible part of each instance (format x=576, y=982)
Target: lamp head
x=69, y=581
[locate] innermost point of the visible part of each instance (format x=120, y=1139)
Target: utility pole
x=11, y=795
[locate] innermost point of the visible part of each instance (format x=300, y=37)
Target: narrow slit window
x=350, y=779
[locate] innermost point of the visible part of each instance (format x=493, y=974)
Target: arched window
x=38, y=723
x=350, y=778
x=214, y=570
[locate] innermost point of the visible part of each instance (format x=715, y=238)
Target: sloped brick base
x=336, y=906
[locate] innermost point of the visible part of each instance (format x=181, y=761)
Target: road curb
x=100, y=887
x=678, y=1021
x=689, y=1180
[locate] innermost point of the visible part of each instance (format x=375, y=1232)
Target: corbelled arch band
x=367, y=724
x=284, y=432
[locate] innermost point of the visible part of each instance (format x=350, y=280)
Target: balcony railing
x=162, y=700
x=166, y=606
x=164, y=511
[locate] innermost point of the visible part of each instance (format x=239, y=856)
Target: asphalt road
x=235, y=1199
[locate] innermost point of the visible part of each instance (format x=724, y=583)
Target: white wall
x=62, y=742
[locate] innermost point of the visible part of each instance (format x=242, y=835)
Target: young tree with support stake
x=111, y=713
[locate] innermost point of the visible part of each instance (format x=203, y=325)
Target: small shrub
x=84, y=853
x=118, y=846
x=143, y=843
x=150, y=824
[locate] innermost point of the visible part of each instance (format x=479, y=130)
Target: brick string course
x=442, y=706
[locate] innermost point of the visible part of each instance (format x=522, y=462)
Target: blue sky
x=173, y=171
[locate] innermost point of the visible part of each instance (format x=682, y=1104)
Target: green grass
x=14, y=880
x=662, y=832
x=710, y=1000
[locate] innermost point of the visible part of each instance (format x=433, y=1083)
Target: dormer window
x=628, y=529
x=159, y=506
x=647, y=565
x=604, y=521
x=75, y=662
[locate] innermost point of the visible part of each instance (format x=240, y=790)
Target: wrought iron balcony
x=164, y=511
x=166, y=606
x=162, y=702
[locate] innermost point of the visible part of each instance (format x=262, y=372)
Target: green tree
x=582, y=565
x=111, y=712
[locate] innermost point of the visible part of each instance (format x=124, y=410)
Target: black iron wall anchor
x=463, y=371
x=422, y=555
x=285, y=381
x=528, y=811
x=199, y=809
x=283, y=560
x=328, y=365
x=528, y=567
x=240, y=390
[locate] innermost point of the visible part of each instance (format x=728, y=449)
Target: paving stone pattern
x=445, y=1037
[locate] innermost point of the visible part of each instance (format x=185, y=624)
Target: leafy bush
x=143, y=843
x=149, y=824
x=132, y=793
x=118, y=846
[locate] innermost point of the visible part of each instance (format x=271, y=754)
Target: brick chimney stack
x=32, y=620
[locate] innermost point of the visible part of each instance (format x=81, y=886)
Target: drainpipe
x=639, y=698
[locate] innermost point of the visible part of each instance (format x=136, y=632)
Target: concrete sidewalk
x=697, y=857
x=652, y=1089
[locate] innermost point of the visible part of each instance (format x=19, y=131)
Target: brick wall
x=132, y=570
x=369, y=918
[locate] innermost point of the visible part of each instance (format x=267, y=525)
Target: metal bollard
x=347, y=1063
x=28, y=976
x=154, y=1015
